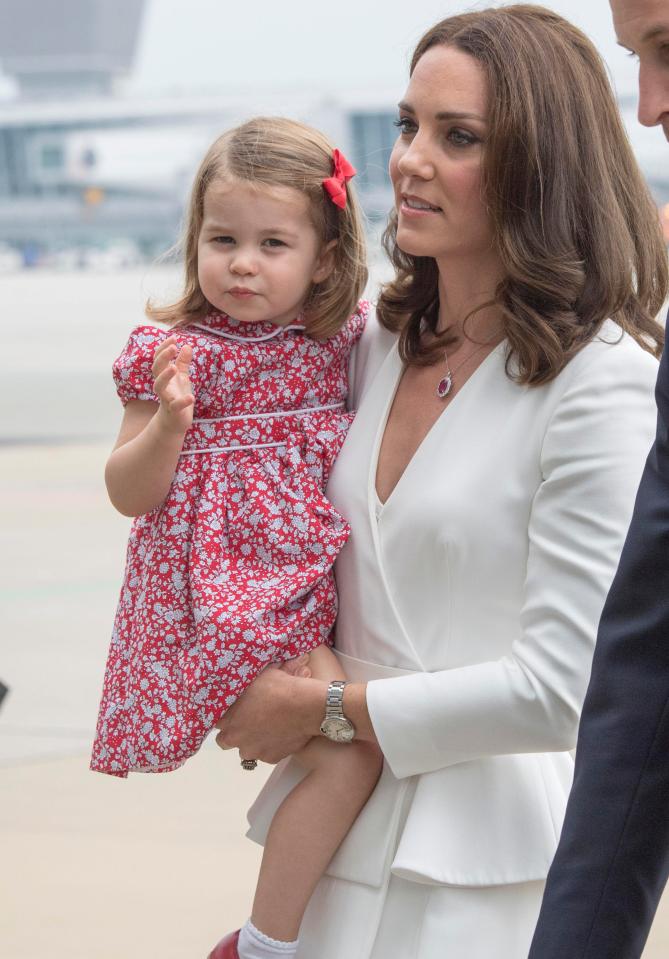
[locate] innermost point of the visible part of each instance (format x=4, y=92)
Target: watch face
x=339, y=730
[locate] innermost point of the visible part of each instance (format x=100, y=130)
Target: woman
x=505, y=409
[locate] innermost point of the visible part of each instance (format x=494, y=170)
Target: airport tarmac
x=155, y=867
x=95, y=867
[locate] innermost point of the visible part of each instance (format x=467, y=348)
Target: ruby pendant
x=444, y=386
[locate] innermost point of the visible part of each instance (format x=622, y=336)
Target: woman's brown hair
x=277, y=152
x=575, y=226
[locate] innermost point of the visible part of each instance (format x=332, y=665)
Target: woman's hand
x=172, y=385
x=275, y=717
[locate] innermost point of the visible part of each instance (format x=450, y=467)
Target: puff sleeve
x=132, y=369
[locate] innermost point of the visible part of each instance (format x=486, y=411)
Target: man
x=613, y=858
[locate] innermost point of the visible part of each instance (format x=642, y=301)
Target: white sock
x=254, y=944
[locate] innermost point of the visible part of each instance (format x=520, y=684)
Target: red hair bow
x=335, y=185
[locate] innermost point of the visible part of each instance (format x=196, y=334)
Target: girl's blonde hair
x=273, y=151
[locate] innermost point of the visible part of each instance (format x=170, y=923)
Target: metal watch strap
x=334, y=703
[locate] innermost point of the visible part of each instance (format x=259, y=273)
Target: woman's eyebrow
x=653, y=32
x=650, y=34
x=458, y=115
x=444, y=114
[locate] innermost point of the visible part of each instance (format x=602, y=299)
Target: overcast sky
x=345, y=45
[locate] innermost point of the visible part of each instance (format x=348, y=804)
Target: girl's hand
x=172, y=385
x=275, y=717
x=297, y=667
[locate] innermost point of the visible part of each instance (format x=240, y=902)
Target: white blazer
x=470, y=600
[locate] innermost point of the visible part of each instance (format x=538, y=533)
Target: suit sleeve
x=613, y=857
x=530, y=700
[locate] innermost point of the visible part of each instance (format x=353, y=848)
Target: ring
x=249, y=764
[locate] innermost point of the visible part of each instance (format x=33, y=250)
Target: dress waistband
x=249, y=431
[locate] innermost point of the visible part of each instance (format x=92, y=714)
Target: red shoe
x=227, y=948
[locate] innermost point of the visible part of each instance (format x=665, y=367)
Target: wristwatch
x=335, y=725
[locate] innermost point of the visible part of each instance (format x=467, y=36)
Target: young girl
x=232, y=421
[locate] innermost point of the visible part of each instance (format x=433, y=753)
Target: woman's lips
x=414, y=207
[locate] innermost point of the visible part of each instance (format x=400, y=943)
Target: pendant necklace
x=445, y=384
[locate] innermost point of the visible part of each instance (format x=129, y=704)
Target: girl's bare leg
x=312, y=821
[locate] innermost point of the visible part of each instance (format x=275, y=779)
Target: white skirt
x=408, y=920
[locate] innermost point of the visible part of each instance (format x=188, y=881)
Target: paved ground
x=93, y=868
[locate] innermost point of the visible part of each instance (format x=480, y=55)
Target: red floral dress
x=234, y=570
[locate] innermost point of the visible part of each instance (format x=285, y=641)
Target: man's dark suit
x=613, y=858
